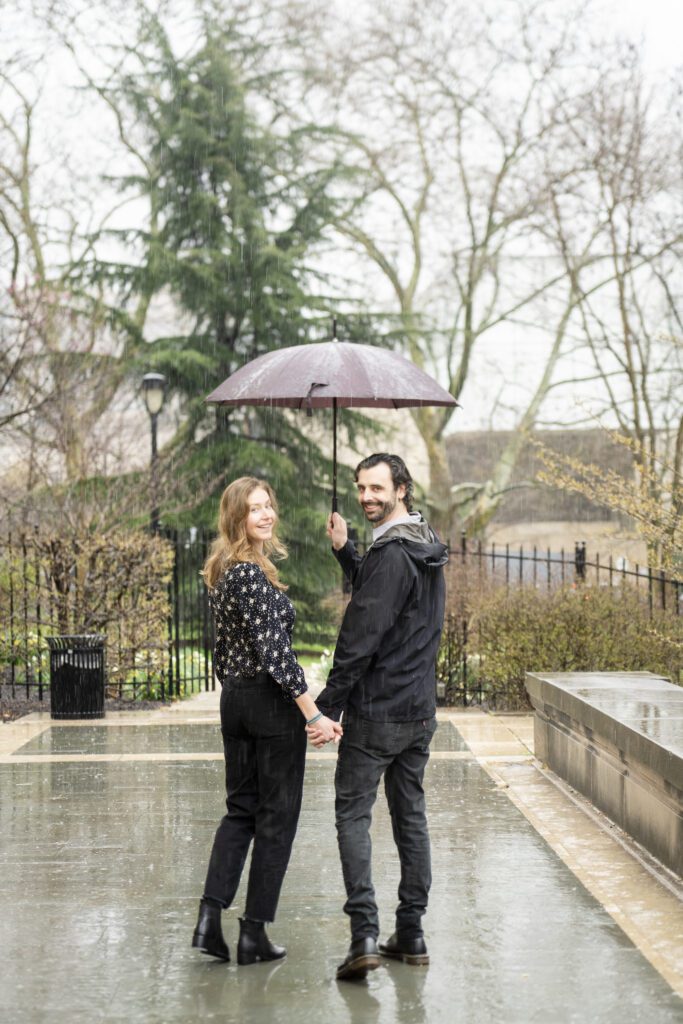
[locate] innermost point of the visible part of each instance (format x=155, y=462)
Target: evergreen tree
x=234, y=215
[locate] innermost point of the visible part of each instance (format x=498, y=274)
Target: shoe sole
x=248, y=961
x=414, y=959
x=358, y=968
x=196, y=944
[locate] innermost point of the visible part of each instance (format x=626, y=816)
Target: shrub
x=116, y=584
x=570, y=629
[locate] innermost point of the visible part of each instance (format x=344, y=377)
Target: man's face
x=377, y=495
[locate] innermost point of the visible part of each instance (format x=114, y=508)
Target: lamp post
x=153, y=390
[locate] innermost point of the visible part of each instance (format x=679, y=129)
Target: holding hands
x=323, y=731
x=319, y=728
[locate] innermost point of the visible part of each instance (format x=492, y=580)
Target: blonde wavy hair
x=232, y=544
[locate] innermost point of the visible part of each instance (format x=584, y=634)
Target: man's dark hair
x=399, y=473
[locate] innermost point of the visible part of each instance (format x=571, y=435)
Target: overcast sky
x=658, y=24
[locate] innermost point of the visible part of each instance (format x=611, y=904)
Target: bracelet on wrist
x=312, y=721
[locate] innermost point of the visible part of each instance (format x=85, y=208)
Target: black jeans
x=264, y=740
x=400, y=751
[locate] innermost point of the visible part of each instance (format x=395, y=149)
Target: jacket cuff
x=333, y=713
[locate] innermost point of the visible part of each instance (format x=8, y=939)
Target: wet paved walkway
x=538, y=912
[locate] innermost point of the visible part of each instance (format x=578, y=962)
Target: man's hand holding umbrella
x=337, y=530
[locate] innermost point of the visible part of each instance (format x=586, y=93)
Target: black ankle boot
x=208, y=934
x=254, y=945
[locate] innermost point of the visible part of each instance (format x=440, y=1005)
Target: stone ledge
x=618, y=739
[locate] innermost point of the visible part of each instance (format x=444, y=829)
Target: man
x=383, y=680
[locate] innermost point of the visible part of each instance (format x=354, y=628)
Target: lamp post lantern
x=154, y=390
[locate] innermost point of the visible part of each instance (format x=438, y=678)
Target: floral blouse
x=254, y=622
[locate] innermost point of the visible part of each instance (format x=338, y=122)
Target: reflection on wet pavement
x=124, y=739
x=103, y=864
x=656, y=715
x=157, y=739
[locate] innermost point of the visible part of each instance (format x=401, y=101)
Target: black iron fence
x=480, y=576
x=190, y=626
x=144, y=592
x=540, y=567
x=149, y=599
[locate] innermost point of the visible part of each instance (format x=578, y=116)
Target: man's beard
x=381, y=511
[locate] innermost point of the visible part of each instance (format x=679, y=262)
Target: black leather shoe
x=361, y=958
x=254, y=946
x=410, y=951
x=208, y=935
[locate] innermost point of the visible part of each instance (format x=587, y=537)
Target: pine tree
x=234, y=215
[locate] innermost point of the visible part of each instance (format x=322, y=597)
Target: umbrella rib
x=360, y=366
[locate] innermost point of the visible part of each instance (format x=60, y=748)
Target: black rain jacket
x=384, y=661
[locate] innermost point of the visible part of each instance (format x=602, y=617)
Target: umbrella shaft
x=334, y=455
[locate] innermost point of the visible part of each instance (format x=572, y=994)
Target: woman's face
x=261, y=518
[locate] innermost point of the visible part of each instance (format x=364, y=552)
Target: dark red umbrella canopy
x=331, y=373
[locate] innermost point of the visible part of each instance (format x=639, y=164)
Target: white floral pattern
x=254, y=623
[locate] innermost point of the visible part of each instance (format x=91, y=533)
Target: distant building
x=532, y=513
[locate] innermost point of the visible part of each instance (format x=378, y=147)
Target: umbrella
x=331, y=374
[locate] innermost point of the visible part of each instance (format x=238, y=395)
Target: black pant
x=265, y=750
x=400, y=751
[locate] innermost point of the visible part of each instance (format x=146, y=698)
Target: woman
x=265, y=706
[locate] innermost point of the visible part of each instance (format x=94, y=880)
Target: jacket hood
x=419, y=540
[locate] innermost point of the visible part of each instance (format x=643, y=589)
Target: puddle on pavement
x=158, y=739
x=126, y=739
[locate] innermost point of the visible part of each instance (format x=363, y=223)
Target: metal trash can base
x=77, y=676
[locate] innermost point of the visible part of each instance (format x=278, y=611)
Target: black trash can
x=77, y=676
